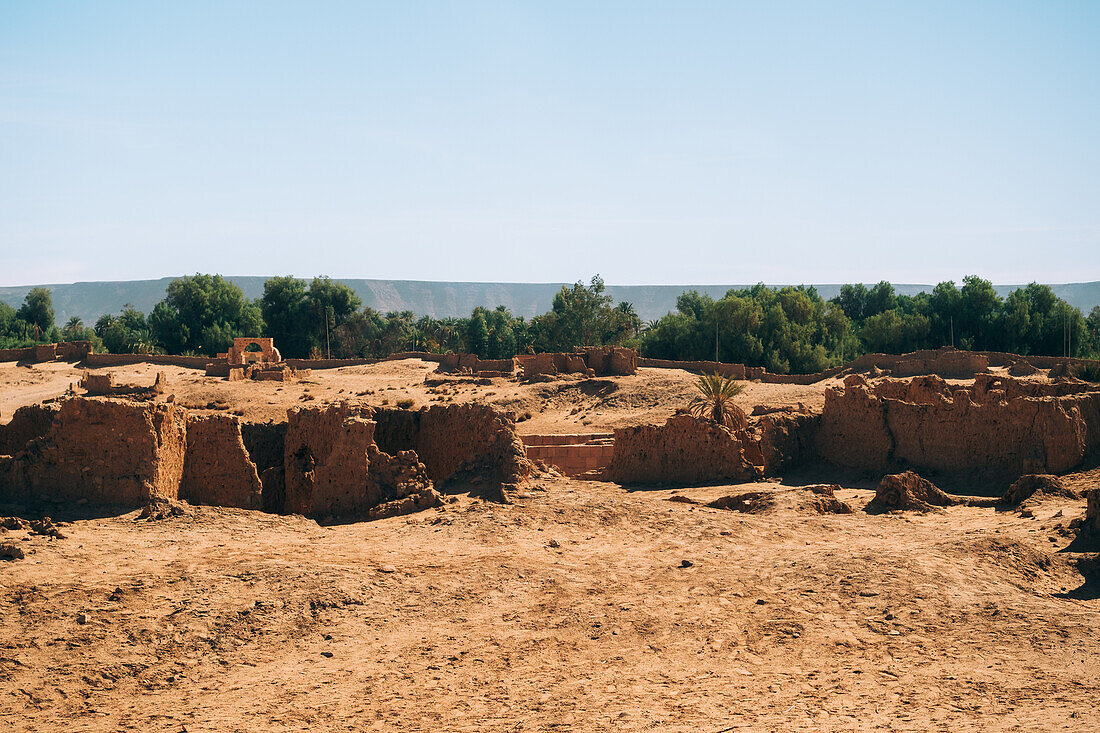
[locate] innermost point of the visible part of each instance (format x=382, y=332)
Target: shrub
x=1087, y=372
x=715, y=400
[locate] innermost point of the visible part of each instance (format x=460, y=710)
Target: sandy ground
x=571, y=405
x=570, y=609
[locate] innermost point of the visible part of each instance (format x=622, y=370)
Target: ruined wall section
x=310, y=436
x=774, y=442
x=266, y=446
x=928, y=425
x=217, y=469
x=101, y=451
x=27, y=423
x=456, y=441
x=685, y=450
x=853, y=432
x=333, y=467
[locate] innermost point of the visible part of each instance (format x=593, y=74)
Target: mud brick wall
x=449, y=439
x=27, y=423
x=310, y=436
x=98, y=384
x=778, y=441
x=217, y=468
x=24, y=354
x=101, y=451
x=611, y=361
x=685, y=450
x=266, y=446
x=927, y=425
x=106, y=360
x=334, y=467
x=73, y=350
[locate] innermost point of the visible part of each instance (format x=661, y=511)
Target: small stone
x=760, y=601
x=686, y=563
x=387, y=569
x=326, y=655
x=553, y=543
x=82, y=618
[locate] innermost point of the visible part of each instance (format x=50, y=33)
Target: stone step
x=568, y=439
x=575, y=459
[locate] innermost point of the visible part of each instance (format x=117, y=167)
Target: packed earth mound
x=803, y=500
x=909, y=491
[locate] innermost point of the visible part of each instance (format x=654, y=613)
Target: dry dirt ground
x=570, y=609
x=572, y=405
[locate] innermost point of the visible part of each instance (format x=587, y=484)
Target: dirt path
x=566, y=611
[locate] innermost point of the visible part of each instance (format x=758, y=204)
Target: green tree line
x=789, y=329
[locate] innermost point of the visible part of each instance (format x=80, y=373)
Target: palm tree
x=715, y=400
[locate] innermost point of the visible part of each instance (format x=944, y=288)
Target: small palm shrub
x=1087, y=372
x=715, y=400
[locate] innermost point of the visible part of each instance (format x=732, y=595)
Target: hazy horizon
x=485, y=142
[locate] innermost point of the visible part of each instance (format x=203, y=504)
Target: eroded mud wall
x=684, y=450
x=266, y=446
x=927, y=425
x=453, y=439
x=217, y=469
x=27, y=423
x=101, y=451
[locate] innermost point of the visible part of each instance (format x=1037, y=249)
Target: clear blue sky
x=672, y=142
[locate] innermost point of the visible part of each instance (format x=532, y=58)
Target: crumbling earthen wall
x=27, y=423
x=1092, y=511
x=930, y=426
x=778, y=440
x=101, y=451
x=945, y=363
x=23, y=354
x=853, y=431
x=108, y=360
x=310, y=436
x=335, y=468
x=103, y=385
x=266, y=446
x=471, y=439
x=685, y=450
x=217, y=468
x=596, y=361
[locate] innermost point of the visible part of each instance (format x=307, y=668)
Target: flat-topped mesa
x=997, y=429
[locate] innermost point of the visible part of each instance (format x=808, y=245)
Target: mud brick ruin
x=119, y=445
x=102, y=384
x=323, y=461
x=602, y=361
x=254, y=358
x=64, y=351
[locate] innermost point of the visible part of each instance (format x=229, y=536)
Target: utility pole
x=716, y=336
x=328, y=350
